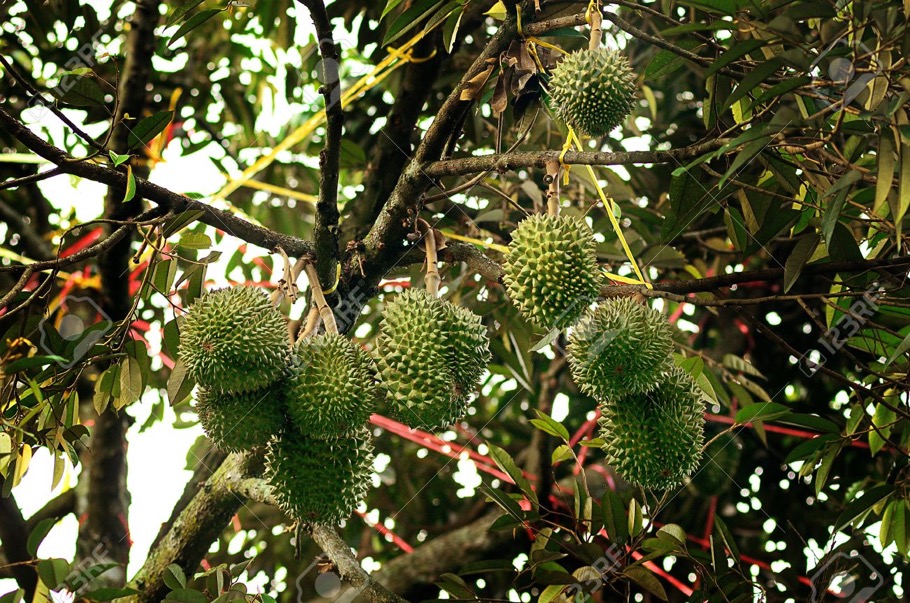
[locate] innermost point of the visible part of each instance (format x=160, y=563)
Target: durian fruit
x=718, y=466
x=654, y=440
x=234, y=340
x=332, y=389
x=593, y=90
x=240, y=421
x=470, y=347
x=620, y=347
x=551, y=270
x=415, y=359
x=320, y=481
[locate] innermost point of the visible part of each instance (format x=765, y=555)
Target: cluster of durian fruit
x=619, y=352
x=309, y=403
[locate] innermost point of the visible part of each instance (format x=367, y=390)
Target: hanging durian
x=620, y=347
x=655, y=439
x=239, y=421
x=319, y=481
x=332, y=390
x=234, y=340
x=416, y=362
x=593, y=90
x=470, y=347
x=551, y=270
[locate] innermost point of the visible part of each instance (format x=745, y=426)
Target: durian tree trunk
x=104, y=497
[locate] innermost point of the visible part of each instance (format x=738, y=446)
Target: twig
x=325, y=312
x=539, y=159
x=325, y=233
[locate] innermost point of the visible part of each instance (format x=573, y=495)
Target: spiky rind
x=718, y=466
x=320, y=481
x=234, y=340
x=655, y=439
x=593, y=90
x=240, y=421
x=332, y=389
x=618, y=348
x=551, y=270
x=415, y=362
x=470, y=347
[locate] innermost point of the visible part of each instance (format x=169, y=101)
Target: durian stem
x=596, y=21
x=432, y=278
x=553, y=188
x=312, y=321
x=328, y=318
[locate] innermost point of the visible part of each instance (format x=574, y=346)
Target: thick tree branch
x=221, y=219
x=14, y=536
x=539, y=159
x=103, y=502
x=325, y=234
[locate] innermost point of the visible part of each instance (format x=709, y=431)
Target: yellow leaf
x=498, y=11
x=25, y=457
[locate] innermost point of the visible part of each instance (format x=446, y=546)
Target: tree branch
x=14, y=535
x=325, y=234
x=539, y=159
x=30, y=240
x=221, y=219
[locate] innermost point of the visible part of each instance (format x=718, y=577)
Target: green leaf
x=900, y=203
x=180, y=384
x=833, y=209
x=38, y=534
x=118, y=160
x=53, y=571
x=666, y=62
x=725, y=537
x=130, y=191
x=798, y=258
x=738, y=50
x=192, y=23
x=635, y=518
x=548, y=425
x=885, y=174
x=109, y=594
x=900, y=350
x=174, y=578
x=182, y=10
x=14, y=596
x=883, y=418
x=82, y=91
x=130, y=382
x=731, y=361
x=551, y=593
x=647, y=580
x=614, y=517
x=504, y=461
x=751, y=81
x=195, y=240
x=560, y=454
x=455, y=586
x=441, y=15
x=671, y=530
x=149, y=128
x=450, y=30
x=762, y=411
x=185, y=595
x=506, y=502
x=24, y=364
x=389, y=7
x=859, y=506
x=409, y=19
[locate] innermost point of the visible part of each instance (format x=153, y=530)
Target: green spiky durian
x=234, y=340
x=551, y=270
x=470, y=347
x=240, y=421
x=415, y=362
x=593, y=90
x=620, y=347
x=332, y=389
x=655, y=439
x=320, y=481
x=718, y=466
